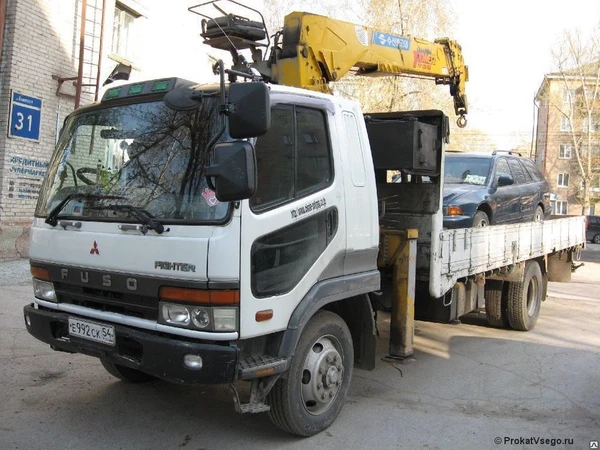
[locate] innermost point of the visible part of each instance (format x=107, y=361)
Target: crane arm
x=311, y=51
x=316, y=50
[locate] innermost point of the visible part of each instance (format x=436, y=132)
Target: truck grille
x=141, y=306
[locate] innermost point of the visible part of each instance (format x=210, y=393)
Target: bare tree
x=577, y=59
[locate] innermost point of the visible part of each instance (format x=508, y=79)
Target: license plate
x=92, y=331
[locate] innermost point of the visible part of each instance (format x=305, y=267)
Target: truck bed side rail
x=470, y=251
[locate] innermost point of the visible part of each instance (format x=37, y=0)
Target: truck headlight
x=175, y=314
x=195, y=317
x=44, y=290
x=201, y=317
x=225, y=319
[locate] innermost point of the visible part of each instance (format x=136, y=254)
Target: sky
x=507, y=47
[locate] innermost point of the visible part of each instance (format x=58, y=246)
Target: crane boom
x=317, y=50
x=312, y=50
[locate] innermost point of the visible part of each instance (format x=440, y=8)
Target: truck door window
x=275, y=161
x=313, y=165
x=293, y=158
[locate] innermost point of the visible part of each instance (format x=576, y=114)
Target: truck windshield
x=144, y=155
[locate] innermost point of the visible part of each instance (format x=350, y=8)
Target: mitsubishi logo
x=94, y=249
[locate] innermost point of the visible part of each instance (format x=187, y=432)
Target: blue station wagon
x=491, y=189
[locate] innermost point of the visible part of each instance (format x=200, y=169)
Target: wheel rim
x=539, y=215
x=532, y=295
x=597, y=239
x=483, y=223
x=322, y=375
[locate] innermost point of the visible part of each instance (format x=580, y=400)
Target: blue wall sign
x=389, y=40
x=25, y=117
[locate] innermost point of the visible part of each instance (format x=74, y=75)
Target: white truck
x=243, y=232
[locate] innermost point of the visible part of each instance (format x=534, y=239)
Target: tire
x=126, y=373
x=312, y=395
x=496, y=303
x=538, y=215
x=525, y=298
x=596, y=239
x=481, y=219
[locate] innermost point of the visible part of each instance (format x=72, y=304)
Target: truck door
x=294, y=224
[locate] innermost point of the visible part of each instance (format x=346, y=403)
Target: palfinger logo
x=94, y=249
x=594, y=444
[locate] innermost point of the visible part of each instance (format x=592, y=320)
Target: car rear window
x=532, y=170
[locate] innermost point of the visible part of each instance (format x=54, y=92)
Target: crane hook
x=461, y=121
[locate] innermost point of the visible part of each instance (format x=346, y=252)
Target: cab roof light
x=161, y=85
x=135, y=89
x=40, y=273
x=213, y=297
x=113, y=93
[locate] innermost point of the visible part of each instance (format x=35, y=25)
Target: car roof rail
x=510, y=152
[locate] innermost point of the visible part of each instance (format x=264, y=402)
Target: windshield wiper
x=142, y=215
x=53, y=215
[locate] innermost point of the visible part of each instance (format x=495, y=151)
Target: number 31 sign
x=25, y=117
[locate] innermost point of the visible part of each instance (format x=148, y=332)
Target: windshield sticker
x=308, y=208
x=475, y=179
x=210, y=197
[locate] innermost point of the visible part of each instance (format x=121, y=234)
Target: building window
x=565, y=124
x=562, y=208
x=123, y=37
x=594, y=127
x=569, y=95
x=565, y=152
x=563, y=180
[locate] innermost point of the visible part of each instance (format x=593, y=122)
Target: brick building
x=565, y=131
x=44, y=76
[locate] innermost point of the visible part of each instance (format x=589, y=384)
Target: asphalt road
x=467, y=385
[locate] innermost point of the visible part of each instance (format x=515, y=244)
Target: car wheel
x=538, y=216
x=481, y=219
x=597, y=239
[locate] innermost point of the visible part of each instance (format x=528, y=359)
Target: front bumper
x=150, y=352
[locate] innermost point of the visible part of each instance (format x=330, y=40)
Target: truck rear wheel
x=312, y=395
x=496, y=304
x=525, y=298
x=125, y=373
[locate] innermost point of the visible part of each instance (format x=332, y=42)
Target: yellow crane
x=312, y=50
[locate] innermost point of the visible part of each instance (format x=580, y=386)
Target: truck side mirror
x=249, y=110
x=234, y=171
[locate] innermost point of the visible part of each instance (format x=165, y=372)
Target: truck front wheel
x=125, y=373
x=312, y=395
x=525, y=298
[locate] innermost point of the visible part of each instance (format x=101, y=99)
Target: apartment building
x=58, y=54
x=568, y=139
